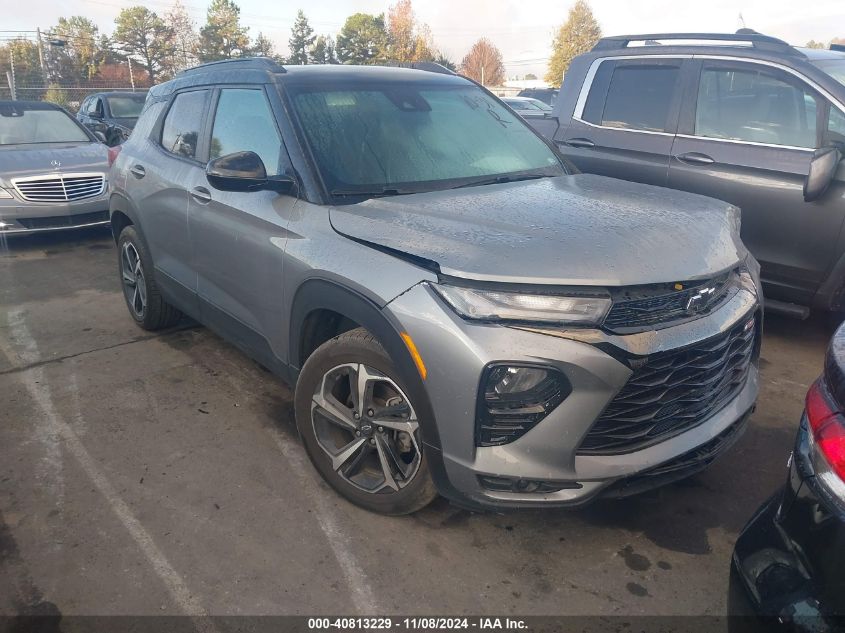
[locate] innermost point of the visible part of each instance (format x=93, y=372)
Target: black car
x=112, y=113
x=789, y=562
x=546, y=95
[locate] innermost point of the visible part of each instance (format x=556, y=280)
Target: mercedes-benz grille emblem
x=55, y=164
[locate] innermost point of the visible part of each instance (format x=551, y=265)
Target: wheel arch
x=121, y=215
x=317, y=295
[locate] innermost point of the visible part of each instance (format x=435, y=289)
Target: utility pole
x=11, y=79
x=131, y=77
x=41, y=53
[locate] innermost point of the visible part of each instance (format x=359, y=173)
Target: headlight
x=4, y=194
x=498, y=305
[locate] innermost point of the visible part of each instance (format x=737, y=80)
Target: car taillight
x=827, y=437
x=113, y=152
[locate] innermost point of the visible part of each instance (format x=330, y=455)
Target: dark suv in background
x=112, y=113
x=739, y=117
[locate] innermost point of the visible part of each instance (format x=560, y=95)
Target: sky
x=522, y=30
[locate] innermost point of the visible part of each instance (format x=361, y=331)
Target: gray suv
x=744, y=118
x=459, y=310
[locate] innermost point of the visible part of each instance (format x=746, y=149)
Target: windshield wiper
x=500, y=179
x=375, y=193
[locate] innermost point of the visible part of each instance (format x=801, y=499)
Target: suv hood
x=581, y=230
x=17, y=161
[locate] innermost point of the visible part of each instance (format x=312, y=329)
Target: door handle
x=201, y=195
x=695, y=158
x=138, y=171
x=580, y=142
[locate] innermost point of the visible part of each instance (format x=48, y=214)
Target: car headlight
x=4, y=194
x=500, y=305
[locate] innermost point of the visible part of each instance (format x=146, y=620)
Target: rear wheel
x=360, y=428
x=135, y=266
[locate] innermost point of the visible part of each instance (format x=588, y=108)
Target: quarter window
x=244, y=122
x=181, y=130
x=635, y=97
x=752, y=105
x=836, y=126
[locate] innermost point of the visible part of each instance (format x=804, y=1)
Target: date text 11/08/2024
x=423, y=623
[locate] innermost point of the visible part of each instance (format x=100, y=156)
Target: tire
x=386, y=431
x=143, y=298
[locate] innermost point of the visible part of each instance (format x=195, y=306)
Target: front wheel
x=359, y=427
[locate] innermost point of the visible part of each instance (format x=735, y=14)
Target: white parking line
x=36, y=384
x=356, y=579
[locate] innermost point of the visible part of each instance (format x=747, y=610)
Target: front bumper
x=455, y=353
x=788, y=566
x=19, y=217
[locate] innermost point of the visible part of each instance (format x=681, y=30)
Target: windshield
x=20, y=126
x=833, y=67
x=371, y=138
x=126, y=107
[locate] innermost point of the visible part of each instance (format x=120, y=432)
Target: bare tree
x=185, y=38
x=484, y=64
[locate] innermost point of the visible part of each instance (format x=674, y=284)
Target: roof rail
x=237, y=63
x=432, y=67
x=757, y=40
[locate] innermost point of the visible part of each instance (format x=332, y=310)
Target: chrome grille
x=60, y=187
x=674, y=391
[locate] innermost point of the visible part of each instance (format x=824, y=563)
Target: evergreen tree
x=577, y=35
x=301, y=40
x=223, y=37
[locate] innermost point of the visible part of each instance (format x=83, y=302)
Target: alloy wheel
x=366, y=425
x=132, y=273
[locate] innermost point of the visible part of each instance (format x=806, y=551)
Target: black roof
x=264, y=70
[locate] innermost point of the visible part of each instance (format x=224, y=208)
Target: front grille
x=673, y=392
x=648, y=306
x=64, y=221
x=60, y=187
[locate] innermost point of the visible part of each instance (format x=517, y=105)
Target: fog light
x=514, y=398
x=525, y=486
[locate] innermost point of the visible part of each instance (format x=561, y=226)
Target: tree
x=362, y=39
x=815, y=44
x=444, y=61
x=29, y=79
x=145, y=38
x=484, y=64
x=301, y=40
x=223, y=37
x=184, y=40
x=77, y=60
x=322, y=52
x=262, y=46
x=577, y=35
x=408, y=40
x=530, y=76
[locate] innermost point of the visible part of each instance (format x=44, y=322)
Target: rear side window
x=836, y=127
x=181, y=130
x=634, y=97
x=244, y=122
x=755, y=106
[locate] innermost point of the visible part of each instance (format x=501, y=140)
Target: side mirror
x=101, y=137
x=823, y=168
x=244, y=171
